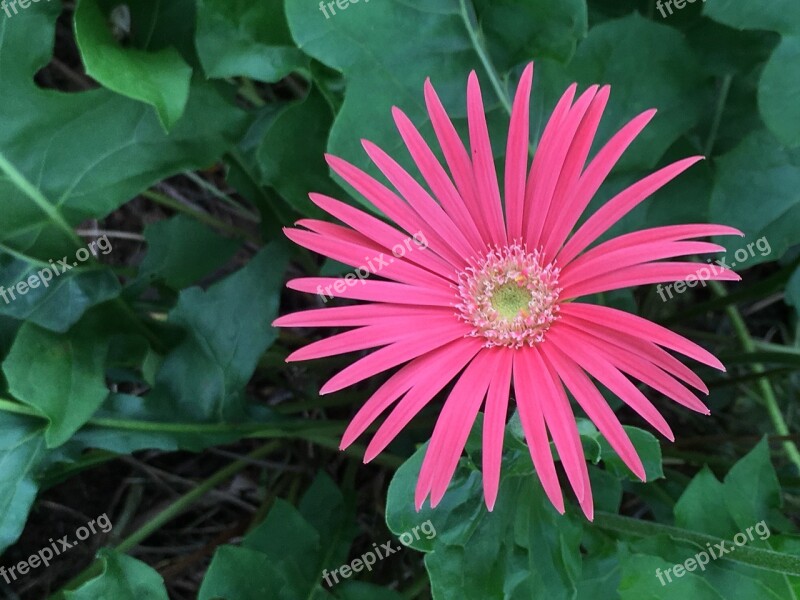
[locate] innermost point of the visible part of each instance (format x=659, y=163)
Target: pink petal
x=579, y=270
x=358, y=315
x=359, y=257
x=425, y=206
x=388, y=331
x=483, y=163
x=454, y=424
x=560, y=422
x=384, y=235
x=609, y=376
x=437, y=179
x=393, y=355
x=419, y=372
x=374, y=291
x=670, y=233
x=644, y=348
x=395, y=208
x=641, y=369
x=658, y=272
x=570, y=177
x=544, y=184
x=596, y=408
x=517, y=156
x=616, y=208
x=457, y=158
x=593, y=177
x=494, y=425
x=637, y=326
x=532, y=418
x=434, y=378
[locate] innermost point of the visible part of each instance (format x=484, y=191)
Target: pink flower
x=490, y=300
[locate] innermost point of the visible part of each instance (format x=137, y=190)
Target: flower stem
x=767, y=393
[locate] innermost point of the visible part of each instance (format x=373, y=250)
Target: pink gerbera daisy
x=490, y=300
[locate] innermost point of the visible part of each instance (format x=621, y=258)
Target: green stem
x=472, y=30
x=759, y=558
x=201, y=216
x=721, y=101
x=175, y=509
x=767, y=393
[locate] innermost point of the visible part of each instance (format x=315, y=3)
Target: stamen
x=509, y=297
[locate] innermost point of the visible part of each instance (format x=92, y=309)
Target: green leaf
x=22, y=450
x=518, y=30
x=228, y=328
x=250, y=39
x=287, y=555
x=100, y=138
x=56, y=304
x=648, y=449
x=123, y=578
x=160, y=79
x=782, y=16
x=640, y=580
x=181, y=251
x=758, y=168
x=62, y=376
x=293, y=164
x=779, y=89
x=648, y=65
x=755, y=474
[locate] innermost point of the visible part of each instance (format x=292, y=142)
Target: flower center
x=509, y=297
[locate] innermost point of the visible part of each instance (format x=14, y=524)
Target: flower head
x=490, y=301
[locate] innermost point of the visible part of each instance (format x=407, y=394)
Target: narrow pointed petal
x=637, y=346
x=544, y=184
x=609, y=376
x=596, y=408
x=444, y=361
x=560, y=421
x=437, y=179
x=384, y=235
x=457, y=158
x=579, y=271
x=531, y=414
x=457, y=417
x=634, y=325
x=641, y=369
x=517, y=155
x=392, y=206
x=358, y=256
x=483, y=163
x=649, y=273
x=388, y=331
x=422, y=203
x=392, y=356
x=593, y=177
x=570, y=177
x=620, y=205
x=373, y=291
x=494, y=425
x=358, y=315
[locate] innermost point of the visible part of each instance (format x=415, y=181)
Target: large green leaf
x=227, y=327
x=239, y=37
x=123, y=578
x=62, y=376
x=109, y=148
x=759, y=168
x=22, y=450
x=160, y=78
